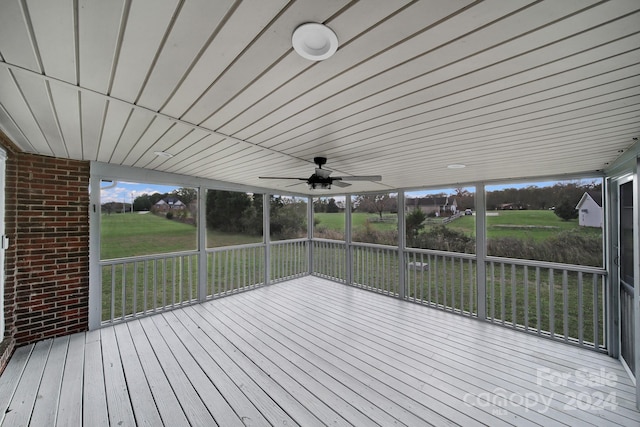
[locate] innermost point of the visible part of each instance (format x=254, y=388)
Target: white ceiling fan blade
x=340, y=183
x=359, y=178
x=281, y=177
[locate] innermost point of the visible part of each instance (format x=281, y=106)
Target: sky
x=127, y=192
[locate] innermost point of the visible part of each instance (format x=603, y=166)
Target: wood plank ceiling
x=510, y=89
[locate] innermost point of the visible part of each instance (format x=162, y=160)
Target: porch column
x=636, y=278
x=202, y=244
x=266, y=231
x=95, y=274
x=310, y=227
x=402, y=242
x=348, y=251
x=481, y=250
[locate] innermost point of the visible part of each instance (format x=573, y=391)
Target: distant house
x=441, y=205
x=168, y=204
x=590, y=210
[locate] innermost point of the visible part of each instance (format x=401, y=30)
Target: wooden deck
x=311, y=352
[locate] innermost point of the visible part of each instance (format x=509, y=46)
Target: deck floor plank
x=10, y=378
x=309, y=352
x=194, y=408
x=242, y=405
x=385, y=379
x=455, y=363
x=51, y=383
x=163, y=394
x=25, y=397
x=209, y=394
x=70, y=402
x=291, y=363
x=94, y=394
x=240, y=363
x=118, y=400
x=144, y=408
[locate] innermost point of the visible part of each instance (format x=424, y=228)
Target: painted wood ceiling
x=510, y=89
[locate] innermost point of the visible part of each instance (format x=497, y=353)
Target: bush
x=566, y=210
x=169, y=215
x=567, y=247
x=368, y=234
x=442, y=238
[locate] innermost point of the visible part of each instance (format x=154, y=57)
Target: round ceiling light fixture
x=457, y=166
x=314, y=41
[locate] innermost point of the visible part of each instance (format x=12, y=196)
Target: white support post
x=310, y=228
x=203, y=275
x=266, y=227
x=95, y=273
x=348, y=252
x=636, y=279
x=612, y=293
x=481, y=250
x=402, y=243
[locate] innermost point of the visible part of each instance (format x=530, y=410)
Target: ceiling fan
x=321, y=179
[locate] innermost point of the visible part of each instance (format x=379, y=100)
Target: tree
x=414, y=224
x=376, y=203
x=225, y=210
x=186, y=195
x=142, y=203
x=566, y=210
x=331, y=206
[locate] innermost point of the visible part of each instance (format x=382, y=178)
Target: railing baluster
x=472, y=288
x=462, y=286
x=596, y=328
x=580, y=310
x=123, y=285
x=565, y=304
x=526, y=298
x=502, y=294
x=552, y=306
x=514, y=318
x=538, y=302
x=493, y=293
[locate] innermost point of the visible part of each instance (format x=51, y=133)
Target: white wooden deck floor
x=311, y=352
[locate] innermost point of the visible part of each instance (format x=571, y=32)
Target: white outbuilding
x=590, y=210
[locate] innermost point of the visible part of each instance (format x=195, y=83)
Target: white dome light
x=314, y=41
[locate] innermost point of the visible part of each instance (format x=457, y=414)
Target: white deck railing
x=562, y=302
x=443, y=280
x=558, y=301
x=234, y=268
x=137, y=286
x=289, y=259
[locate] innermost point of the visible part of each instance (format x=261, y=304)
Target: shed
x=590, y=209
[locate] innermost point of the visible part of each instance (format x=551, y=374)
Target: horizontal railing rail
x=141, y=285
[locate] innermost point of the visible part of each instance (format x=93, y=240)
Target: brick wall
x=47, y=263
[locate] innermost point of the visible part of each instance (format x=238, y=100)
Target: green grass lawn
x=134, y=234
x=534, y=224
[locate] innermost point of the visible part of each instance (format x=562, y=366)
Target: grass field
x=125, y=235
x=534, y=224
